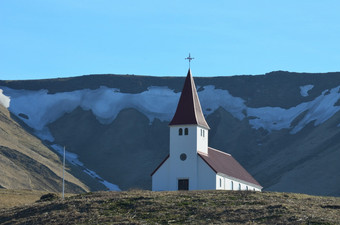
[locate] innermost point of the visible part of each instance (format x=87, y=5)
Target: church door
x=183, y=184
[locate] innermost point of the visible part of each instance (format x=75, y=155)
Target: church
x=191, y=164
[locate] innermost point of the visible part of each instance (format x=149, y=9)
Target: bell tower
x=189, y=117
x=188, y=135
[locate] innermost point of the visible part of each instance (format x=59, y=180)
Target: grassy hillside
x=193, y=207
x=14, y=198
x=11, y=198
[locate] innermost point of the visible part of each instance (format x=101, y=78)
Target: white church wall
x=230, y=183
x=182, y=170
x=183, y=144
x=206, y=176
x=202, y=139
x=220, y=183
x=225, y=183
x=160, y=178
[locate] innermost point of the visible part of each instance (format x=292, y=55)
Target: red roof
x=222, y=162
x=189, y=109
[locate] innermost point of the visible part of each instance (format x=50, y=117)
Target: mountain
x=26, y=163
x=282, y=127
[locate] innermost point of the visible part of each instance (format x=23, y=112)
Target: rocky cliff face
x=282, y=127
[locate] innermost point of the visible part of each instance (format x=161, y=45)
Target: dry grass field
x=193, y=207
x=10, y=198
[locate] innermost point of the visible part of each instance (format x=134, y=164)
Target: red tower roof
x=189, y=109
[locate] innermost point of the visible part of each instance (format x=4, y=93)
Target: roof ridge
x=193, y=88
x=214, y=149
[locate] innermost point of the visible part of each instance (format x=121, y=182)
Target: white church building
x=191, y=164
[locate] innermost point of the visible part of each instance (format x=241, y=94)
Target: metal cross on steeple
x=189, y=58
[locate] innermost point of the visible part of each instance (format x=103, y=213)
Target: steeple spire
x=189, y=109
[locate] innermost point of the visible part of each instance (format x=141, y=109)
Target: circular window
x=183, y=156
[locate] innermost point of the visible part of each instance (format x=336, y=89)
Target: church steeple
x=189, y=109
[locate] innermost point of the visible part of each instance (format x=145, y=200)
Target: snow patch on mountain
x=4, y=100
x=272, y=118
x=304, y=89
x=105, y=103
x=160, y=102
x=73, y=159
x=212, y=98
x=320, y=109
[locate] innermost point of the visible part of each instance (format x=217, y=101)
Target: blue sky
x=63, y=38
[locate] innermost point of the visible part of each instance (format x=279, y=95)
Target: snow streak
x=4, y=100
x=73, y=158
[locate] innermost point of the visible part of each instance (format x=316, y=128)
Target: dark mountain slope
x=124, y=152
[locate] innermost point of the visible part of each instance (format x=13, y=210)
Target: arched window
x=239, y=187
x=180, y=131
x=247, y=188
x=232, y=185
x=186, y=131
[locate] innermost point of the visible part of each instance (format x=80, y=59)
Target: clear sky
x=62, y=38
